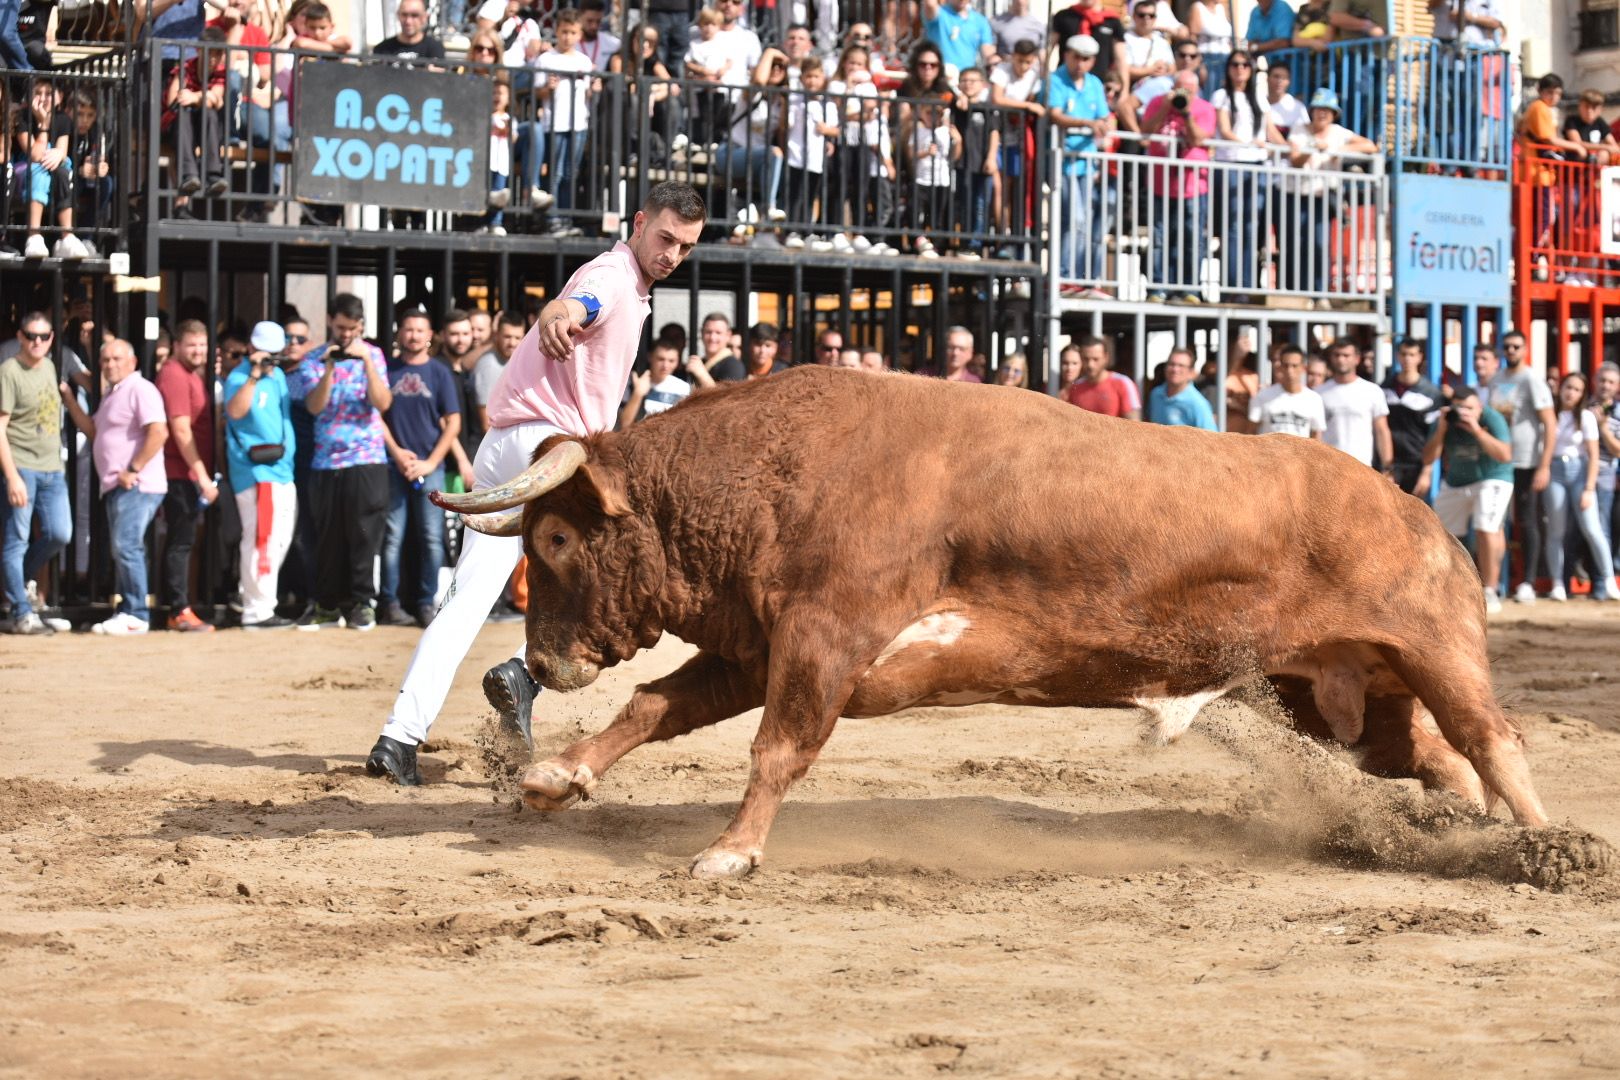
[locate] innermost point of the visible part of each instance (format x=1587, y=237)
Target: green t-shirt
x=1466, y=462
x=34, y=405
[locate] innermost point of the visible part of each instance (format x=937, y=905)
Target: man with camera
x=1180, y=190
x=344, y=385
x=1475, y=449
x=259, y=447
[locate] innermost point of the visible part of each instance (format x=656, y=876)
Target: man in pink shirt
x=567, y=377
x=126, y=435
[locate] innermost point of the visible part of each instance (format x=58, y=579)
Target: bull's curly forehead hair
x=678, y=197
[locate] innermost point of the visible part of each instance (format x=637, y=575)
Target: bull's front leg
x=703, y=691
x=806, y=692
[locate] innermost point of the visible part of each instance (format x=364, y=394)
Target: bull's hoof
x=551, y=785
x=1560, y=859
x=717, y=864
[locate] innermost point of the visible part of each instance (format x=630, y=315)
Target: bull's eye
x=558, y=540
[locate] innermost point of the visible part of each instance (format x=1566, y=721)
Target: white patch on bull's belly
x=960, y=697
x=940, y=630
x=1172, y=716
x=1029, y=693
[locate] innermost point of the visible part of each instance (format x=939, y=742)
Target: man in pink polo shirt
x=566, y=377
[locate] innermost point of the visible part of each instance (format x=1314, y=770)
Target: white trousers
x=259, y=590
x=481, y=573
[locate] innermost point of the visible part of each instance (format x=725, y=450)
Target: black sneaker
x=394, y=615
x=274, y=622
x=511, y=692
x=394, y=759
x=362, y=618
x=317, y=618
x=424, y=615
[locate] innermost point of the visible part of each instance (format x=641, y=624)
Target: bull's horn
x=506, y=523
x=558, y=465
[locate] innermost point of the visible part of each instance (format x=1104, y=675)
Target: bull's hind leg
x=703, y=691
x=1457, y=690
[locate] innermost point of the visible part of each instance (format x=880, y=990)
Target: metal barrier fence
x=76, y=194
x=1155, y=226
x=847, y=171
x=1420, y=99
x=1558, y=223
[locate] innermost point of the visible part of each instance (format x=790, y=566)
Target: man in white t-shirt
x=1357, y=412
x=738, y=44
x=519, y=33
x=1522, y=397
x=1287, y=112
x=1288, y=407
x=566, y=91
x=658, y=388
x=1147, y=51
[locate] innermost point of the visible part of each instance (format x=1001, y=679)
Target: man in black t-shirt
x=1414, y=407
x=1088, y=17
x=412, y=42
x=33, y=19
x=1586, y=126
x=763, y=342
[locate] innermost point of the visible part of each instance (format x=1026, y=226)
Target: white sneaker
x=61, y=626
x=1607, y=589
x=540, y=198
x=841, y=244
x=69, y=247
x=494, y=230
x=120, y=625
x=749, y=215
x=678, y=143
x=1525, y=593
x=818, y=244
x=794, y=242
x=35, y=247
x=1557, y=594
x=1493, y=603
x=500, y=198
x=776, y=214
x=861, y=244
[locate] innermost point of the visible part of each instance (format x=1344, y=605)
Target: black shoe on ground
x=394, y=615
x=511, y=692
x=361, y=618
x=424, y=615
x=274, y=622
x=395, y=760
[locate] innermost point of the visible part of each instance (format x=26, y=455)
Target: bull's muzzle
x=561, y=673
x=556, y=466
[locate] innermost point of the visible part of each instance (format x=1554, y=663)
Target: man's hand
x=405, y=460
x=1542, y=478
x=16, y=494
x=641, y=382
x=557, y=336
x=128, y=478
x=208, y=489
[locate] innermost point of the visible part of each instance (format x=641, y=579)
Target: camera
x=1179, y=100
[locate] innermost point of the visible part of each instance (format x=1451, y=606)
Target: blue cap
x=1325, y=98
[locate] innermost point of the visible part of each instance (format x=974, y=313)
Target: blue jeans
x=260, y=127
x=1085, y=223
x=1245, y=228
x=406, y=504
x=20, y=556
x=128, y=515
x=529, y=146
x=567, y=147
x=1563, y=500
x=674, y=35
x=1605, y=501
x=1178, y=241
x=760, y=165
x=497, y=182
x=12, y=52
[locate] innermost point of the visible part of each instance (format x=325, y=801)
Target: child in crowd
x=979, y=128
x=45, y=136
x=566, y=93
x=500, y=154
x=865, y=174
x=812, y=120
x=933, y=146
x=707, y=61
x=90, y=155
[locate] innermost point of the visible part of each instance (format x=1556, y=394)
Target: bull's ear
x=605, y=483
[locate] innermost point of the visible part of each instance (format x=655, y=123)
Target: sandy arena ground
x=200, y=880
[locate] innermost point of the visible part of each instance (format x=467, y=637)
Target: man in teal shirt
x=1271, y=26
x=962, y=33
x=1475, y=447
x=1077, y=103
x=1177, y=403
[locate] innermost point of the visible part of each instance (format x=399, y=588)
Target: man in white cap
x=1077, y=103
x=259, y=445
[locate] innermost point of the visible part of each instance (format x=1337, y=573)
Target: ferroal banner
x=1452, y=240
x=391, y=136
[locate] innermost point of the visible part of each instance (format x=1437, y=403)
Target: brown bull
x=839, y=543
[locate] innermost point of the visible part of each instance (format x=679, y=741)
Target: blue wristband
x=593, y=307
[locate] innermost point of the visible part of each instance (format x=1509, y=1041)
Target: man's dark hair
x=1412, y=343
x=454, y=315
x=675, y=334
x=1291, y=349
x=33, y=317
x=678, y=197
x=1344, y=343
x=1463, y=393
x=236, y=331
x=417, y=312
x=1145, y=5
x=1025, y=48
x=663, y=343
x=798, y=26
x=1549, y=82
x=716, y=316
x=591, y=5
x=346, y=304
x=1089, y=340
x=1514, y=334
x=764, y=331
x=84, y=98
x=509, y=317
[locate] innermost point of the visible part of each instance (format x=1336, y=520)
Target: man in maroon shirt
x=188, y=462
